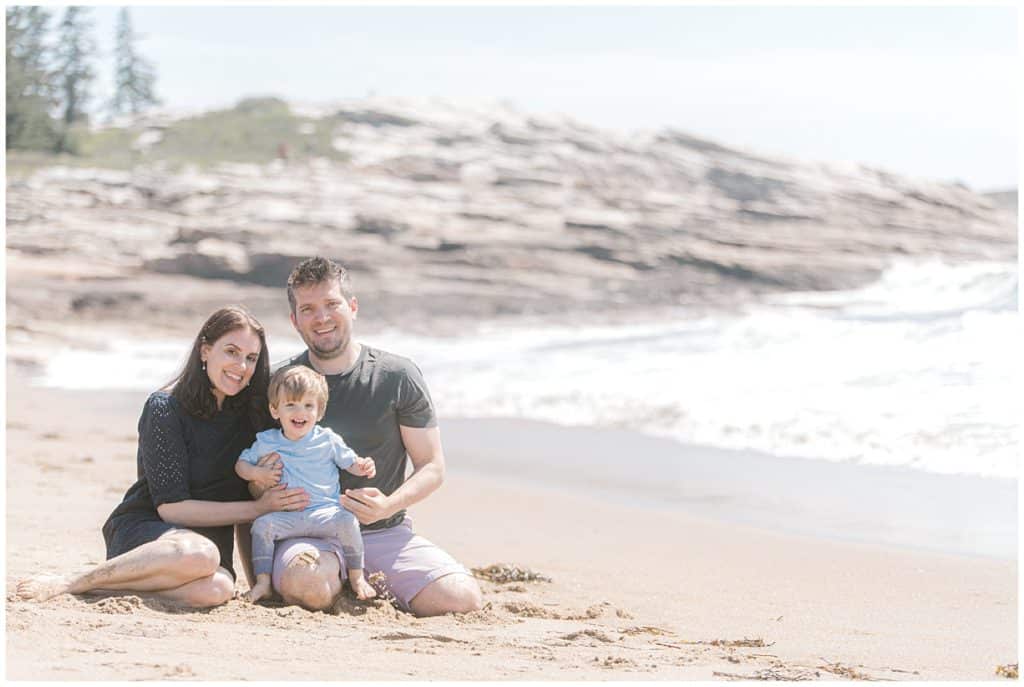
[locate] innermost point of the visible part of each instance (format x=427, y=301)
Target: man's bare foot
x=360, y=587
x=259, y=590
x=41, y=587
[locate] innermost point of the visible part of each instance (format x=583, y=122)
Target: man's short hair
x=295, y=381
x=315, y=271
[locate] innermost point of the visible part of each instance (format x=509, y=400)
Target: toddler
x=311, y=457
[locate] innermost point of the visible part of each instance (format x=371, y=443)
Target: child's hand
x=268, y=476
x=363, y=467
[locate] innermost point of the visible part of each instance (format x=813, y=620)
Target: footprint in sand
x=593, y=634
x=512, y=588
x=526, y=609
x=615, y=662
x=646, y=630
x=179, y=671
x=444, y=639
x=530, y=610
x=120, y=605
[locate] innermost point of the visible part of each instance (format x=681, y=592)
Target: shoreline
x=499, y=370
x=886, y=506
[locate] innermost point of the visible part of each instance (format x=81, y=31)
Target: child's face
x=297, y=417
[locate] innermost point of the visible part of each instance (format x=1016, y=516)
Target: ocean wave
x=918, y=370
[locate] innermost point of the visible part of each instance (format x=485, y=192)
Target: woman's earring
x=204, y=366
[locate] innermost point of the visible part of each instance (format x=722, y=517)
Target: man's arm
x=423, y=445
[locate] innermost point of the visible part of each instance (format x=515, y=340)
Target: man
x=380, y=405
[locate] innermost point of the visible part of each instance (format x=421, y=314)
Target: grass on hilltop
x=253, y=131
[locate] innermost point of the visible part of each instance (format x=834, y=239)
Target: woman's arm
x=195, y=513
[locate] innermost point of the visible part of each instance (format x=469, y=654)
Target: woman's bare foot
x=259, y=590
x=42, y=587
x=360, y=587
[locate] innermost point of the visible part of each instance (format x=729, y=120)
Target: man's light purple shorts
x=409, y=561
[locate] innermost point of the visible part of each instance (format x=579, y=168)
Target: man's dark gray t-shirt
x=367, y=405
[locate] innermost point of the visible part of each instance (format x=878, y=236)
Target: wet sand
x=892, y=506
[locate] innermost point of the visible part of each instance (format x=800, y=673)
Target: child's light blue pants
x=325, y=521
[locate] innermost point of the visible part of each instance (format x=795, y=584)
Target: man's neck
x=336, y=366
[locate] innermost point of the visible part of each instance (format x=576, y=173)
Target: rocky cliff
x=481, y=212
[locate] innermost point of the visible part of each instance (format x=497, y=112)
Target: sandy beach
x=703, y=585
x=715, y=406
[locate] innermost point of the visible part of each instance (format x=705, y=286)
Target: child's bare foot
x=360, y=587
x=259, y=590
x=41, y=587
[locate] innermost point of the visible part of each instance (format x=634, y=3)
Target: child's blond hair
x=295, y=381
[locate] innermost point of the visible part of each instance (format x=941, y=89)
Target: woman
x=172, y=533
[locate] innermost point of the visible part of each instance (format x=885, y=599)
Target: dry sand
x=636, y=592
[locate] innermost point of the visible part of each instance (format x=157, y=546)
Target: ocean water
x=918, y=370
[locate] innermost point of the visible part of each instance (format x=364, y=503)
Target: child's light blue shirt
x=312, y=462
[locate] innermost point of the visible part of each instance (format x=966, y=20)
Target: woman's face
x=231, y=361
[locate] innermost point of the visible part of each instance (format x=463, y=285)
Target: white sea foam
x=918, y=370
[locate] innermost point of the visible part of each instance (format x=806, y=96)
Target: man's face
x=323, y=318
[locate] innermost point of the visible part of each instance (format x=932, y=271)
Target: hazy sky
x=924, y=91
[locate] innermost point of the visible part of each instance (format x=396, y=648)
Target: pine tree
x=134, y=76
x=30, y=87
x=75, y=51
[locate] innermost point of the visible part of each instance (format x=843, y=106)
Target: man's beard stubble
x=331, y=353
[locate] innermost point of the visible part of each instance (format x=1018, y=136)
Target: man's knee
x=312, y=587
x=455, y=593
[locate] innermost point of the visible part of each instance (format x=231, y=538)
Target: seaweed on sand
x=504, y=572
x=1009, y=670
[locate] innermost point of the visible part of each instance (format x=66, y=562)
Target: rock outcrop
x=492, y=211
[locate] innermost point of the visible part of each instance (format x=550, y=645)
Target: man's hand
x=363, y=467
x=281, y=498
x=368, y=504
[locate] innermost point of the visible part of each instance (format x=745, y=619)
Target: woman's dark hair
x=192, y=387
